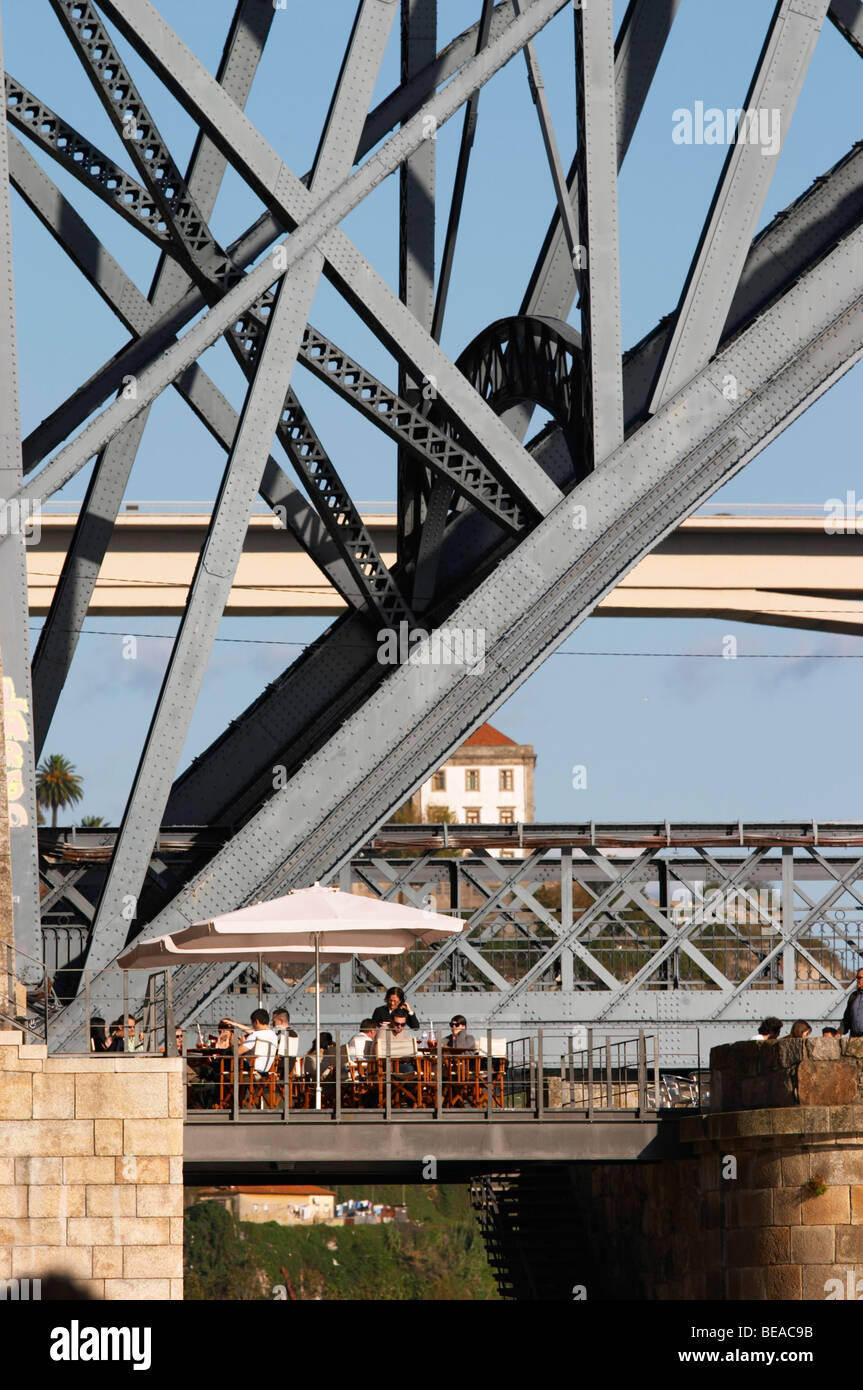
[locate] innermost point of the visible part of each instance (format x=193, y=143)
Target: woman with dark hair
x=99, y=1041
x=395, y=999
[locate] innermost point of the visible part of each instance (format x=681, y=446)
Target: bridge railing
x=545, y=1074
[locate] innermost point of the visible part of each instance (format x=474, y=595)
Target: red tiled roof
x=487, y=736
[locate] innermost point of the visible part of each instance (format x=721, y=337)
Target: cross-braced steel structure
x=513, y=536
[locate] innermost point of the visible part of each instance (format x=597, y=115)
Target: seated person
x=830, y=1032
x=800, y=1029
x=459, y=1038
x=99, y=1034
x=261, y=1044
x=768, y=1031
x=401, y=1047
x=362, y=1043
x=395, y=999
x=328, y=1059
x=284, y=1032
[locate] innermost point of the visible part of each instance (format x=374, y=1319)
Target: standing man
x=395, y=999
x=852, y=1019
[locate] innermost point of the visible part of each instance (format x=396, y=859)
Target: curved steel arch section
x=530, y=358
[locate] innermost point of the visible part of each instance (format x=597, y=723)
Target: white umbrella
x=293, y=927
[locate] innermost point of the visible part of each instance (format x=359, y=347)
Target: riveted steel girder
x=789, y=357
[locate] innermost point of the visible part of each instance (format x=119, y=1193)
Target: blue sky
x=676, y=736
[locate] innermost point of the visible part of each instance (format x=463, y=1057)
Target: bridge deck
x=217, y=1147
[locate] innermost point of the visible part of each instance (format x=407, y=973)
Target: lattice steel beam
x=455, y=464
x=90, y=165
x=59, y=636
x=127, y=112
x=228, y=524
x=281, y=190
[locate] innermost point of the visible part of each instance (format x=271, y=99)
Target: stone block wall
x=791, y=1071
x=91, y=1170
x=763, y=1200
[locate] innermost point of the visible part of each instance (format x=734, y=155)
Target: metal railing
x=544, y=1075
x=31, y=1008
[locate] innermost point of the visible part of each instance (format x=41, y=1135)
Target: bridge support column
x=91, y=1171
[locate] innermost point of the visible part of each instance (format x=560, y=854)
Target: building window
x=438, y=782
x=471, y=779
x=506, y=780
x=506, y=815
x=471, y=815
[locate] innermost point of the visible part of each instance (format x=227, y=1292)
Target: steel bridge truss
x=516, y=539
x=605, y=925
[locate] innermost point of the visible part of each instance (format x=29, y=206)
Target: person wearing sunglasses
x=459, y=1038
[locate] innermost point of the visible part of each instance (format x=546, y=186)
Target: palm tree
x=57, y=784
x=91, y=822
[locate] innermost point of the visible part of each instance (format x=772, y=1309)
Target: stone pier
x=91, y=1170
x=762, y=1198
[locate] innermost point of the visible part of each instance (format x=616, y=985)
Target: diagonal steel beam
x=416, y=262
x=127, y=112
x=847, y=15
x=246, y=249
x=740, y=193
x=406, y=424
x=122, y=295
x=226, y=532
x=801, y=346
x=571, y=939
x=284, y=192
x=213, y=271
x=90, y=165
x=790, y=937
x=565, y=210
x=678, y=939
x=319, y=228
x=59, y=636
x=790, y=246
x=460, y=182
x=640, y=43
x=597, y=227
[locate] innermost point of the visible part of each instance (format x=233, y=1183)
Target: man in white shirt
x=262, y=1042
x=360, y=1044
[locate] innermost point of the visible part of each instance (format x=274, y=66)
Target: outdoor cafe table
x=413, y=1082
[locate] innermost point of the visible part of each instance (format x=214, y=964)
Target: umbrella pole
x=260, y=983
x=318, y=1020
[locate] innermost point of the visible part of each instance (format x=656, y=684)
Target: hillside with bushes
x=438, y=1254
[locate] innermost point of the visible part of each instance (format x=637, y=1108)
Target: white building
x=487, y=781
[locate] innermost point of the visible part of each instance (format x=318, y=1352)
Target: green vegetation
x=438, y=1256
x=57, y=784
